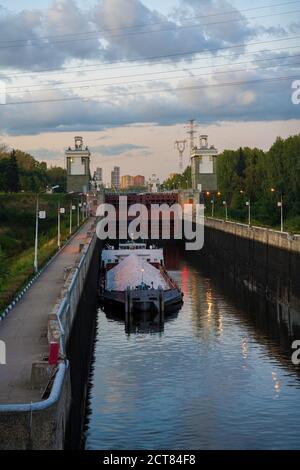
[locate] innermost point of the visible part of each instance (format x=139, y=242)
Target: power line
x=155, y=73
x=153, y=23
x=163, y=90
x=174, y=28
x=177, y=54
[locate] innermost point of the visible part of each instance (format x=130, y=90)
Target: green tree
x=3, y=267
x=12, y=174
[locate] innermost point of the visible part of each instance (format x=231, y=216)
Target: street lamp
x=38, y=215
x=226, y=210
x=72, y=208
x=60, y=211
x=248, y=204
x=279, y=204
x=213, y=206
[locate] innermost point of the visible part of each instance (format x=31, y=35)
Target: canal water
x=218, y=375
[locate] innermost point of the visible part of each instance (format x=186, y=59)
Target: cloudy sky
x=128, y=74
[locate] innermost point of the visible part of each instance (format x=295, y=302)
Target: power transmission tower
x=180, y=145
x=191, y=130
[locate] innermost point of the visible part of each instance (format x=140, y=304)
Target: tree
x=3, y=267
x=12, y=174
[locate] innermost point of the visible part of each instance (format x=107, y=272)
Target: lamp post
x=248, y=204
x=226, y=210
x=279, y=204
x=38, y=215
x=72, y=208
x=78, y=221
x=60, y=210
x=35, y=264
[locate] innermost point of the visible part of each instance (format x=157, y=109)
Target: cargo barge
x=133, y=278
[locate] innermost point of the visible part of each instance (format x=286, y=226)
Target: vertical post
x=248, y=203
x=226, y=211
x=58, y=226
x=78, y=214
x=36, y=235
x=281, y=211
x=71, y=218
x=213, y=206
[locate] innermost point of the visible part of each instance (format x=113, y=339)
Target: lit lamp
x=280, y=205
x=226, y=210
x=212, y=207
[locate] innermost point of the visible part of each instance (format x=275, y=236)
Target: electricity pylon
x=180, y=145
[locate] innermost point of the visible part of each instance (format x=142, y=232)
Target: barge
x=133, y=278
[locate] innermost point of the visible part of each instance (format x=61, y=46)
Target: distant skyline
x=228, y=64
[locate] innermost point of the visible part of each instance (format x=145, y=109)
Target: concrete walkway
x=24, y=330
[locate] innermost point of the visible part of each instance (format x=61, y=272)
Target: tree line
x=262, y=177
x=20, y=171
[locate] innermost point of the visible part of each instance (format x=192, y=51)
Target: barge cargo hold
x=134, y=279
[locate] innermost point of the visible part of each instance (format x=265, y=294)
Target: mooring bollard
x=53, y=353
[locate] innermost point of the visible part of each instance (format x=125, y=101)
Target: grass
x=17, y=231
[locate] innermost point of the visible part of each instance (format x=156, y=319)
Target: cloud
x=139, y=104
x=46, y=154
x=254, y=101
x=120, y=149
x=64, y=32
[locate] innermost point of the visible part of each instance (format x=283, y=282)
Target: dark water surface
x=219, y=375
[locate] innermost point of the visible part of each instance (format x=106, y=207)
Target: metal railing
x=67, y=309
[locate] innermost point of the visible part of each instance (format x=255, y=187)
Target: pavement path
x=24, y=330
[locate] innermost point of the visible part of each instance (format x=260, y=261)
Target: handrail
x=66, y=300
x=41, y=405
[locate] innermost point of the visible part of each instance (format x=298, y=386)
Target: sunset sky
x=128, y=74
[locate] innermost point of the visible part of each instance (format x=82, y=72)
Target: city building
x=97, y=181
x=115, y=178
x=127, y=181
x=204, y=166
x=78, y=167
x=98, y=175
x=139, y=181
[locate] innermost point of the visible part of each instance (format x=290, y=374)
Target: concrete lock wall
x=43, y=425
x=39, y=425
x=262, y=260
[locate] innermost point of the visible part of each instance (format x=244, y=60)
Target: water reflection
x=142, y=323
x=217, y=376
